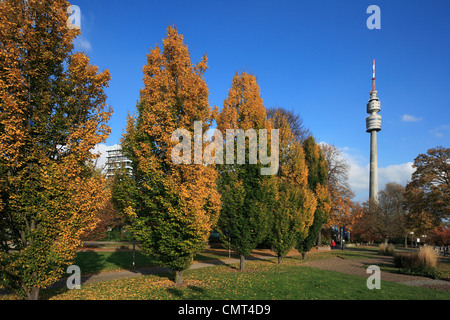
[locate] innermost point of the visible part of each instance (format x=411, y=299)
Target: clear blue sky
x=313, y=57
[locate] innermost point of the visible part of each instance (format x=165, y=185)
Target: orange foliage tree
x=244, y=218
x=343, y=211
x=317, y=183
x=440, y=236
x=294, y=204
x=386, y=219
x=52, y=113
x=173, y=206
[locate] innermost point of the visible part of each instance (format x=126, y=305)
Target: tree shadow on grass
x=96, y=266
x=186, y=292
x=216, y=253
x=90, y=263
x=386, y=262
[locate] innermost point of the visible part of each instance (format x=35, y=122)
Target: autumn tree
x=342, y=208
x=246, y=193
x=353, y=222
x=440, y=236
x=294, y=121
x=52, y=113
x=427, y=196
x=294, y=203
x=386, y=219
x=108, y=218
x=317, y=182
x=361, y=230
x=124, y=192
x=175, y=205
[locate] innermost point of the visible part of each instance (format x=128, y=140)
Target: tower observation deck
x=373, y=122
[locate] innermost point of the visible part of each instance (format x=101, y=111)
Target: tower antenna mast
x=373, y=75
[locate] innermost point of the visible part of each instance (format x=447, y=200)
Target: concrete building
x=373, y=125
x=115, y=160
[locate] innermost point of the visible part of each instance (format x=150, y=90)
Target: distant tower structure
x=373, y=125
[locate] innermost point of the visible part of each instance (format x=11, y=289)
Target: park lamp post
x=412, y=233
x=423, y=238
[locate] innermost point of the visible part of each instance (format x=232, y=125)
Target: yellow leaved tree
x=52, y=114
x=173, y=206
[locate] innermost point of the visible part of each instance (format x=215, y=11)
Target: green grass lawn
x=92, y=262
x=263, y=280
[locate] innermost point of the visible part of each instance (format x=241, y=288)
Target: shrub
x=386, y=249
x=405, y=260
x=425, y=258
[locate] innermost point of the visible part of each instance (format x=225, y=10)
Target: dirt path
x=359, y=266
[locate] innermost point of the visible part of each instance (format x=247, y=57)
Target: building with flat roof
x=116, y=160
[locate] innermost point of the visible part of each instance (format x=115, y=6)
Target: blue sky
x=313, y=57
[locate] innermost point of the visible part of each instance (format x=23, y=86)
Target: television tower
x=373, y=125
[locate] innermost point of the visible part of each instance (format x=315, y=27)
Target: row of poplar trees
x=174, y=207
x=53, y=112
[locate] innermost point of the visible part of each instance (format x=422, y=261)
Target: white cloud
x=360, y=170
x=439, y=131
x=101, y=150
x=410, y=118
x=400, y=173
x=358, y=175
x=82, y=44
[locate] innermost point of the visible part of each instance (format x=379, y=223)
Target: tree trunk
x=319, y=238
x=280, y=259
x=179, y=277
x=242, y=263
x=303, y=255
x=134, y=252
x=33, y=294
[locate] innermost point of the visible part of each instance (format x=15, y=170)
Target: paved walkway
x=359, y=267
